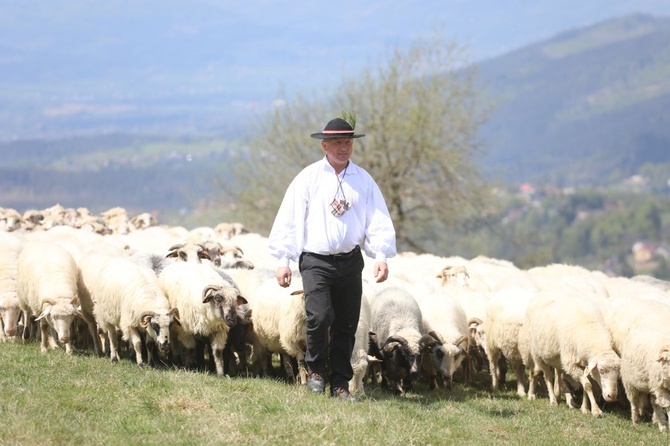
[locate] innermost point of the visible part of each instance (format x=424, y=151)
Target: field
x=53, y=399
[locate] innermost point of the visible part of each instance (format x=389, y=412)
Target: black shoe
x=316, y=383
x=344, y=394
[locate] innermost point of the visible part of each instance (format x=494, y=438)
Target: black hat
x=336, y=128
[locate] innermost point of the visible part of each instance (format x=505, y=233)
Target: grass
x=53, y=399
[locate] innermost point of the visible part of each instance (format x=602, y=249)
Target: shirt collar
x=352, y=168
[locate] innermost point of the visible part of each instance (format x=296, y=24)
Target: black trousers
x=333, y=287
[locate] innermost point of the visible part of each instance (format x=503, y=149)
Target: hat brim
x=331, y=136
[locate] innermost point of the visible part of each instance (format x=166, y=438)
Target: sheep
x=10, y=248
x=569, y=333
x=32, y=220
x=47, y=286
x=279, y=321
x=558, y=275
x=142, y=221
x=206, y=304
x=645, y=372
x=396, y=326
x=229, y=230
x=127, y=297
x=226, y=256
x=359, y=355
x=447, y=341
x=235, y=352
x=10, y=220
x=505, y=316
x=624, y=315
x=116, y=220
x=10, y=311
x=662, y=285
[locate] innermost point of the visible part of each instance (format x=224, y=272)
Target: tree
x=420, y=109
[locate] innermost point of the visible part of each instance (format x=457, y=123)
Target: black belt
x=341, y=256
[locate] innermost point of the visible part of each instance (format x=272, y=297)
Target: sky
x=60, y=55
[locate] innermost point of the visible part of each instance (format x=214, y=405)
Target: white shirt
x=305, y=222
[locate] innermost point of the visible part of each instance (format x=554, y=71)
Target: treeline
x=593, y=228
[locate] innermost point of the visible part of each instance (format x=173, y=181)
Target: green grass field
x=53, y=399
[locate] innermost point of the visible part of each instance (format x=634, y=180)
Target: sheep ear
x=295, y=293
x=664, y=354
x=46, y=310
x=241, y=300
x=590, y=366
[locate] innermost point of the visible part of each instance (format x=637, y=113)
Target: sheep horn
x=399, y=339
x=206, y=291
x=437, y=336
x=172, y=250
x=145, y=318
x=475, y=320
x=461, y=339
x=428, y=341
x=48, y=301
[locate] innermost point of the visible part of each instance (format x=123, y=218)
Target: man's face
x=338, y=150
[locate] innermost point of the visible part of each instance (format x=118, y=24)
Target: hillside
x=586, y=107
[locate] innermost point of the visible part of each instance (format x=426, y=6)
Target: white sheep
x=558, y=275
x=505, y=316
x=570, y=334
x=10, y=220
x=10, y=312
x=279, y=321
x=645, y=372
x=47, y=286
x=127, y=297
x=446, y=342
x=624, y=315
x=359, y=355
x=207, y=306
x=397, y=327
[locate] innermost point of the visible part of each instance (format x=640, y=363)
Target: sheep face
x=444, y=357
x=60, y=316
x=157, y=326
x=400, y=366
x=189, y=252
x=605, y=372
x=9, y=313
x=222, y=300
x=664, y=361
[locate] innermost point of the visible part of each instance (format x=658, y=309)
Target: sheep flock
x=206, y=299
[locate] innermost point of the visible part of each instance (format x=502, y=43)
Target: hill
x=588, y=106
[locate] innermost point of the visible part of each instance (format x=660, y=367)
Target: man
x=330, y=208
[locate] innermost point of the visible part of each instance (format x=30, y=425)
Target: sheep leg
x=93, y=330
x=659, y=417
x=589, y=397
x=635, y=398
x=520, y=371
x=549, y=382
x=532, y=385
x=136, y=341
x=113, y=342
x=493, y=356
x=46, y=335
x=218, y=342
x=302, y=369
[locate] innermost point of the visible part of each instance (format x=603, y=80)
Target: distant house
x=644, y=252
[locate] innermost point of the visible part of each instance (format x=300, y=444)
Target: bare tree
x=420, y=109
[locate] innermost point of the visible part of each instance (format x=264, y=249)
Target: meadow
x=55, y=399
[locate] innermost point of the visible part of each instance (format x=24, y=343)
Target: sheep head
x=223, y=302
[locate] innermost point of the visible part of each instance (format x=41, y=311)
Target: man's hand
x=283, y=276
x=381, y=271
